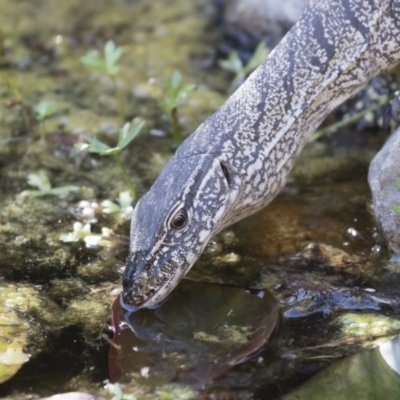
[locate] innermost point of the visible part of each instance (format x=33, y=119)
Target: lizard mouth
x=147, y=296
x=147, y=289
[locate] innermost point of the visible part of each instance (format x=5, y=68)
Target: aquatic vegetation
x=92, y=240
x=108, y=64
x=126, y=135
x=44, y=110
x=41, y=181
x=88, y=210
x=123, y=208
x=235, y=65
x=174, y=93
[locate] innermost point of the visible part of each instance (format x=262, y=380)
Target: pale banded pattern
x=238, y=159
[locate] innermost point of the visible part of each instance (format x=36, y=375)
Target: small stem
x=26, y=118
x=41, y=130
x=120, y=98
x=331, y=128
x=126, y=176
x=176, y=128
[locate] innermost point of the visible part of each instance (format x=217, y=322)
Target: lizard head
x=171, y=225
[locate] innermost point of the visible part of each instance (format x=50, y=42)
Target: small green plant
x=108, y=64
x=396, y=208
x=92, y=240
x=44, y=188
x=44, y=110
x=235, y=65
x=126, y=135
x=123, y=208
x=174, y=92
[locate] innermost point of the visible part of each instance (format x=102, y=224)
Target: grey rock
x=262, y=18
x=384, y=173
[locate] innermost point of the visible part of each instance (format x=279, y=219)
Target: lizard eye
x=179, y=220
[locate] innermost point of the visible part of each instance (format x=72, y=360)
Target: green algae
x=378, y=327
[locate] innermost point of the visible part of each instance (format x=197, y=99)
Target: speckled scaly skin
x=237, y=160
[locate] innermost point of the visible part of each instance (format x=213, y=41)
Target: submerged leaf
x=204, y=329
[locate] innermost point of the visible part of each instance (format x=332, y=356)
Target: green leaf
x=232, y=64
x=183, y=92
x=63, y=190
x=92, y=60
x=94, y=146
x=259, y=55
x=110, y=207
x=40, y=181
x=34, y=193
x=398, y=185
x=188, y=88
x=129, y=132
x=175, y=80
x=111, y=151
x=112, y=54
x=44, y=109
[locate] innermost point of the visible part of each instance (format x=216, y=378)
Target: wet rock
x=371, y=325
x=27, y=316
x=13, y=339
x=63, y=291
x=304, y=299
x=384, y=174
x=230, y=258
x=366, y=373
x=100, y=270
x=90, y=311
x=329, y=256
